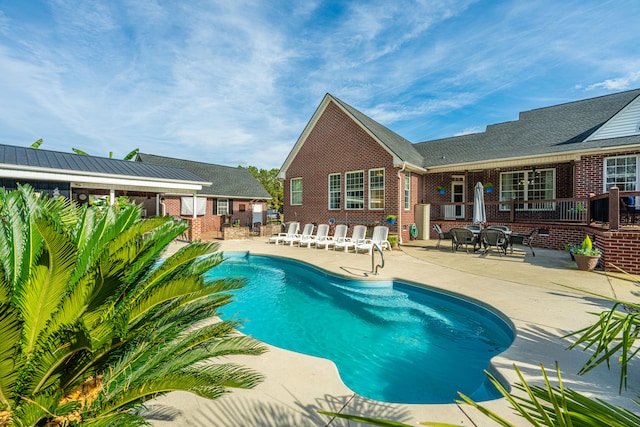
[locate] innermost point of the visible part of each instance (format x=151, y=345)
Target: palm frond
x=41, y=294
x=557, y=406
x=132, y=154
x=118, y=419
x=614, y=333
x=9, y=360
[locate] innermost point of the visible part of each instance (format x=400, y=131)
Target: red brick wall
x=337, y=145
x=590, y=173
x=210, y=222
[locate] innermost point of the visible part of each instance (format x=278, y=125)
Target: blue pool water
x=391, y=341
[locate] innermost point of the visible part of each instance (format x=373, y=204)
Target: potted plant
x=586, y=256
x=393, y=241
x=441, y=189
x=569, y=247
x=488, y=187
x=391, y=219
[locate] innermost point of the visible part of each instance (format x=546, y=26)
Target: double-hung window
x=222, y=207
x=407, y=191
x=296, y=191
x=621, y=172
x=527, y=186
x=335, y=191
x=354, y=190
x=376, y=189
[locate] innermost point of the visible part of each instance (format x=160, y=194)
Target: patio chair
x=499, y=227
x=307, y=232
x=524, y=239
x=357, y=237
x=321, y=236
x=462, y=236
x=442, y=235
x=339, y=236
x=494, y=237
x=292, y=230
x=379, y=237
x=474, y=228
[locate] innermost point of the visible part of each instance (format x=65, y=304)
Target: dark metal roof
x=226, y=181
x=557, y=129
x=38, y=158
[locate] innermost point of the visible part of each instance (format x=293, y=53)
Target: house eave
x=99, y=180
x=528, y=160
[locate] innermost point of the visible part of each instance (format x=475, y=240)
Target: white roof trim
x=98, y=180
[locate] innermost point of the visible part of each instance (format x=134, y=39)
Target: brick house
x=234, y=196
x=553, y=168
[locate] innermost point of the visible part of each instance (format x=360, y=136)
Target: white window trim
x=526, y=201
x=291, y=191
x=383, y=188
x=339, y=175
x=226, y=206
x=346, y=194
x=604, y=170
x=407, y=189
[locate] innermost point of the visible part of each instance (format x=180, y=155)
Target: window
x=528, y=185
x=407, y=191
x=376, y=189
x=354, y=189
x=223, y=207
x=296, y=191
x=621, y=172
x=335, y=189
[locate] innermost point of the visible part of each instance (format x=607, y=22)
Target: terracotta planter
x=586, y=262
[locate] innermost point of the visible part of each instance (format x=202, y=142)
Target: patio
x=534, y=292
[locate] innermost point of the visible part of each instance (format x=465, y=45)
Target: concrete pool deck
x=544, y=296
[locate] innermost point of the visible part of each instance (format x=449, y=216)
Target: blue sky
x=235, y=82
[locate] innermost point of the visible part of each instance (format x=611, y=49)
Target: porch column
x=194, y=206
x=112, y=196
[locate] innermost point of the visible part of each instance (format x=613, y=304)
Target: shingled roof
x=46, y=160
x=399, y=146
x=226, y=181
x=557, y=129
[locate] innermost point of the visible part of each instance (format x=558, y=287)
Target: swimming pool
x=391, y=341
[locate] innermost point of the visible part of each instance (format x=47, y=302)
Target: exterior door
x=457, y=195
x=257, y=213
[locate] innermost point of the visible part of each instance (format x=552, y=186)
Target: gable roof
x=228, y=182
x=399, y=146
x=31, y=163
x=555, y=130
x=401, y=149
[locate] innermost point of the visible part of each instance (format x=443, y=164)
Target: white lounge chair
x=357, y=237
x=379, y=237
x=321, y=236
x=339, y=236
x=292, y=230
x=307, y=232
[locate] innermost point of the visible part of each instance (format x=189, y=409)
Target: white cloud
x=617, y=84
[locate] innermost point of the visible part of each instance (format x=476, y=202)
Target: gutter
x=400, y=207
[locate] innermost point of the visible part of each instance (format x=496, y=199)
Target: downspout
x=400, y=204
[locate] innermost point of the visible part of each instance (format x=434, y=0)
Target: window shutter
x=230, y=206
x=215, y=206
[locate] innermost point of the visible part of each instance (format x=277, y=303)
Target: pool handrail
x=374, y=270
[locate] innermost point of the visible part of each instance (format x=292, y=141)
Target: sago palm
x=93, y=322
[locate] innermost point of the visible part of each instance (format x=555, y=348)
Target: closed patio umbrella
x=479, y=213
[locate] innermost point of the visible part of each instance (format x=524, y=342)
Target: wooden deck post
x=614, y=208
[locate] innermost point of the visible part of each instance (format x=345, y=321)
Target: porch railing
x=568, y=210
